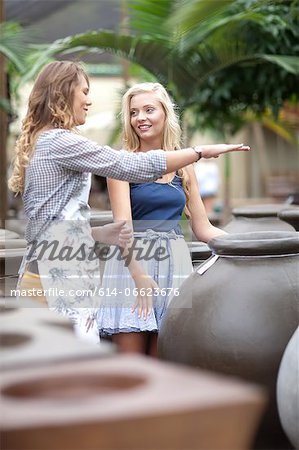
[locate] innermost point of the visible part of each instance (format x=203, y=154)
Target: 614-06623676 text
x=127, y=292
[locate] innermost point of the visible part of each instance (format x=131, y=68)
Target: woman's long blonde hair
x=50, y=105
x=172, y=130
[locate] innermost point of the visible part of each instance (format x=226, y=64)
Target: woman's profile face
x=81, y=101
x=147, y=117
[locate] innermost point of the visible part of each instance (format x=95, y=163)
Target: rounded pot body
x=288, y=390
x=238, y=316
x=257, y=218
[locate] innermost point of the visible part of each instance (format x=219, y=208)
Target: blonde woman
x=52, y=170
x=139, y=281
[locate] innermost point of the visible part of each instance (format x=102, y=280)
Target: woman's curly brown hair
x=50, y=105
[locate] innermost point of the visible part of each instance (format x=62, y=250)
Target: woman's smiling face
x=147, y=117
x=81, y=101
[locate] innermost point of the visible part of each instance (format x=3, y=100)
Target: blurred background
x=231, y=67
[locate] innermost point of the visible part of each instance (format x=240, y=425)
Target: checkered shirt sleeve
x=78, y=153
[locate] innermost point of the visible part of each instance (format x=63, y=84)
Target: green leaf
x=153, y=54
x=13, y=44
x=190, y=14
x=288, y=63
x=148, y=16
x=209, y=67
x=224, y=27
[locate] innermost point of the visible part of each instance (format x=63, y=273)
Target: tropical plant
x=23, y=59
x=219, y=59
x=13, y=50
x=20, y=61
x=204, y=52
x=226, y=96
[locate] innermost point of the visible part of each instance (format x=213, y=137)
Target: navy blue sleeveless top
x=158, y=206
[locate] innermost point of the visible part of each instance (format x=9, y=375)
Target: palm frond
x=184, y=73
x=225, y=25
x=155, y=55
x=13, y=44
x=190, y=14
x=149, y=16
x=288, y=63
x=38, y=57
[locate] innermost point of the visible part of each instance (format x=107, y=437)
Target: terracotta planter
x=257, y=218
x=290, y=216
x=32, y=336
x=244, y=311
x=288, y=390
x=125, y=402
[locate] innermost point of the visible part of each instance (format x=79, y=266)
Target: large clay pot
x=32, y=336
x=290, y=216
x=244, y=311
x=288, y=390
x=257, y=218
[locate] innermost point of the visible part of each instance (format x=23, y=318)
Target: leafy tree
x=225, y=97
x=20, y=61
x=218, y=59
x=12, y=48
x=23, y=59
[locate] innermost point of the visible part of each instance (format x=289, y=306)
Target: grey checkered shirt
x=60, y=162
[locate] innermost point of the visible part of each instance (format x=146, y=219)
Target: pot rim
x=267, y=210
x=289, y=213
x=256, y=243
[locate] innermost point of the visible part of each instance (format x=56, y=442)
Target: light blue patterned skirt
x=162, y=255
